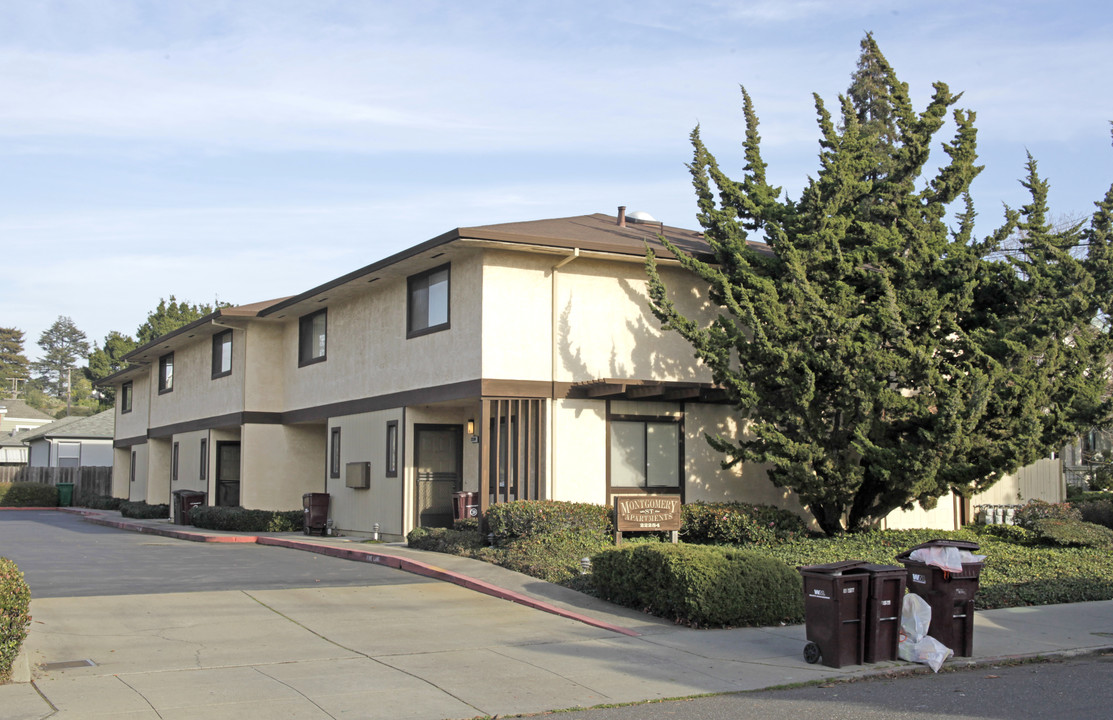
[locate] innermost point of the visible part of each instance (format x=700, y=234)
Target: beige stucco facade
x=530, y=342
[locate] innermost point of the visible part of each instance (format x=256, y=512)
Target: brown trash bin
x=315, y=506
x=835, y=597
x=883, y=611
x=465, y=505
x=184, y=501
x=950, y=595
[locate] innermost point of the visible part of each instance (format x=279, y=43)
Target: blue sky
x=253, y=149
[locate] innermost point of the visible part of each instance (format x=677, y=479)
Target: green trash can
x=65, y=494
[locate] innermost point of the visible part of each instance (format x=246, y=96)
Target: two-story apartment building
x=516, y=361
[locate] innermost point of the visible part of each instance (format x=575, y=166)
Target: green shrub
x=28, y=494
x=529, y=518
x=143, y=511
x=700, y=585
x=446, y=540
x=471, y=524
x=1009, y=533
x=15, y=618
x=1099, y=512
x=1040, y=510
x=556, y=558
x=99, y=502
x=1072, y=533
x=738, y=523
x=238, y=519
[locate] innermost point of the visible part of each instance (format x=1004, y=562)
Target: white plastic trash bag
x=915, y=644
x=947, y=557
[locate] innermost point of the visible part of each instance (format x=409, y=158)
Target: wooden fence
x=86, y=480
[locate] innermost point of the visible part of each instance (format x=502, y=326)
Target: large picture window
x=427, y=302
x=312, y=337
x=222, y=354
x=166, y=373
x=645, y=454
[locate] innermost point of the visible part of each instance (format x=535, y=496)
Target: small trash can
x=464, y=505
x=65, y=494
x=950, y=595
x=184, y=501
x=883, y=611
x=315, y=506
x=835, y=597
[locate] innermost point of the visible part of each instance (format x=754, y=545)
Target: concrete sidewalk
x=425, y=651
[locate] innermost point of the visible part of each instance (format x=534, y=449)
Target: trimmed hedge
x=99, y=502
x=143, y=511
x=1072, y=533
x=736, y=523
x=1035, y=510
x=530, y=518
x=15, y=617
x=446, y=540
x=238, y=519
x=700, y=585
x=28, y=494
x=1099, y=512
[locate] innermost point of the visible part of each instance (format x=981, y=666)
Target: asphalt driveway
x=61, y=555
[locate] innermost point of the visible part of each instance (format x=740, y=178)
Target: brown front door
x=438, y=460
x=228, y=474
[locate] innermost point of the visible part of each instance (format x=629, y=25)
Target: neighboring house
x=73, y=442
x=12, y=450
x=16, y=415
x=515, y=361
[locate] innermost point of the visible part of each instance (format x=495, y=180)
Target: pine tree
x=14, y=365
x=171, y=315
x=107, y=359
x=880, y=358
x=62, y=344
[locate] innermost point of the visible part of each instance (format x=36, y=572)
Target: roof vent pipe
x=622, y=216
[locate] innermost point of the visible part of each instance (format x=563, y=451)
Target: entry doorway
x=227, y=473
x=439, y=462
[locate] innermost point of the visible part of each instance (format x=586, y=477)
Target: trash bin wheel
x=305, y=529
x=811, y=653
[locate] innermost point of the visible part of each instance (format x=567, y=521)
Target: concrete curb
x=360, y=555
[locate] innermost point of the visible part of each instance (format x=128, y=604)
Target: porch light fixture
x=471, y=426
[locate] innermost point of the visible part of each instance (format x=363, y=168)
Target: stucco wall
x=137, y=490
x=158, y=471
x=121, y=464
x=363, y=439
x=265, y=362
x=579, y=451
x=368, y=353
x=280, y=463
x=134, y=424
x=189, y=461
x=196, y=394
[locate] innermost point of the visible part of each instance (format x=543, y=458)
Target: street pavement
x=480, y=641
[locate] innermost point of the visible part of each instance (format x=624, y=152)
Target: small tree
x=880, y=358
x=171, y=315
x=62, y=344
x=14, y=365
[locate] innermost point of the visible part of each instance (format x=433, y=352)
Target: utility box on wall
x=358, y=475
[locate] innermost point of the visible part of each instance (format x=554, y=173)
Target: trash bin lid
x=835, y=568
x=874, y=568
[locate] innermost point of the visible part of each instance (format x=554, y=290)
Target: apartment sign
x=647, y=513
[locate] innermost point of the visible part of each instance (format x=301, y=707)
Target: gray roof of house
x=14, y=439
x=16, y=408
x=101, y=426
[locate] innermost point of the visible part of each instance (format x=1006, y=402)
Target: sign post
x=647, y=513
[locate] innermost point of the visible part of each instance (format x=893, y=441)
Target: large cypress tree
x=879, y=357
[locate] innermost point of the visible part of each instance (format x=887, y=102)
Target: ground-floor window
x=644, y=453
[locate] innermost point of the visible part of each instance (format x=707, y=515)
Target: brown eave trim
x=129, y=442
x=217, y=421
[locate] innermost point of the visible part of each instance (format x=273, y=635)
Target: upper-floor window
x=166, y=373
x=127, y=393
x=311, y=337
x=427, y=302
x=222, y=354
